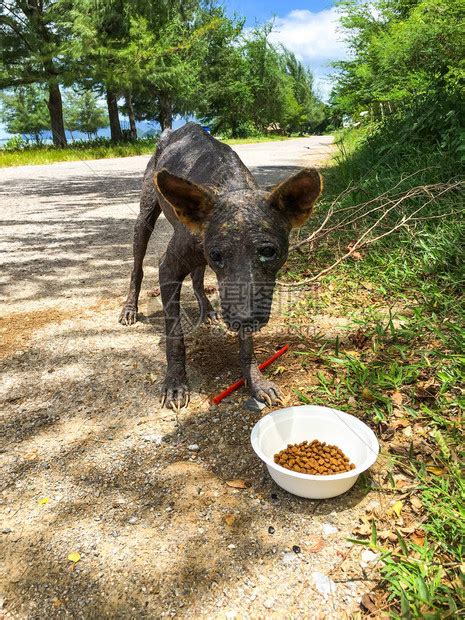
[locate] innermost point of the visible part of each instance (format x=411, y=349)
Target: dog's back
x=193, y=154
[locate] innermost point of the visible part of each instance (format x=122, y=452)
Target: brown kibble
x=314, y=458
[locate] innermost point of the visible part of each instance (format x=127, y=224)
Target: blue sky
x=262, y=10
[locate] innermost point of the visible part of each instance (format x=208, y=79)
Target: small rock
x=323, y=584
x=231, y=546
x=132, y=520
x=269, y=603
x=328, y=529
x=7, y=530
x=271, y=530
x=367, y=556
x=156, y=439
x=193, y=447
x=296, y=549
x=252, y=404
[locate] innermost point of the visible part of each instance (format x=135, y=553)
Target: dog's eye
x=266, y=252
x=216, y=257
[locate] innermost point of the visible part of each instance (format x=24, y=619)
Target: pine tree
x=83, y=113
x=24, y=111
x=31, y=52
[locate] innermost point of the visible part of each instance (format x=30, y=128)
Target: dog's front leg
x=260, y=388
x=175, y=390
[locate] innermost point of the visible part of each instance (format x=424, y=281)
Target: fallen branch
x=387, y=206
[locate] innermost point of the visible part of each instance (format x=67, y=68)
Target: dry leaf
x=236, y=484
x=317, y=545
x=43, y=500
x=400, y=423
x=387, y=535
x=363, y=530
x=416, y=503
x=408, y=431
x=418, y=538
x=367, y=395
x=397, y=398
x=433, y=469
x=369, y=602
x=353, y=353
x=229, y=520
x=396, y=508
x=74, y=557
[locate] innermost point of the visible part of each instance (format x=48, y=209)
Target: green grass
x=404, y=297
x=98, y=149
x=253, y=140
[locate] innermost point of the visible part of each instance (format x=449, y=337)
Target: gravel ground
x=92, y=465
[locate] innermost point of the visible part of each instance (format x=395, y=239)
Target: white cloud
x=316, y=39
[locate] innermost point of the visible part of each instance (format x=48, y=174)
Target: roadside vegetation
x=386, y=250
x=401, y=368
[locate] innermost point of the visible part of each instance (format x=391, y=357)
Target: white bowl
x=295, y=424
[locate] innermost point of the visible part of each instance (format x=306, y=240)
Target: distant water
x=144, y=128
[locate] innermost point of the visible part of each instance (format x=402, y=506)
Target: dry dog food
x=314, y=457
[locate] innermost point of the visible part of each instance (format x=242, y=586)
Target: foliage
x=83, y=113
x=405, y=53
x=404, y=296
x=24, y=111
x=256, y=84
x=161, y=58
x=32, y=51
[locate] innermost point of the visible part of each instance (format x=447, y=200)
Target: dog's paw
x=267, y=392
x=174, y=393
x=210, y=317
x=128, y=315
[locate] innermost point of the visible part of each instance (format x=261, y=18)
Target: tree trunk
x=115, y=127
x=166, y=113
x=132, y=118
x=55, y=108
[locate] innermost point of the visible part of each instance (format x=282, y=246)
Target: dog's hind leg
x=207, y=312
x=150, y=210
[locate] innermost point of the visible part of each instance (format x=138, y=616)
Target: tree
x=304, y=110
x=403, y=50
x=171, y=57
x=31, y=52
x=24, y=111
x=83, y=113
x=226, y=96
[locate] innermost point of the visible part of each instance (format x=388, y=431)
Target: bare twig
x=387, y=205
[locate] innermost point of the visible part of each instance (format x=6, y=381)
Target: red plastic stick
x=237, y=384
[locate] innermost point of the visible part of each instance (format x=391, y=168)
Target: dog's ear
x=191, y=203
x=296, y=196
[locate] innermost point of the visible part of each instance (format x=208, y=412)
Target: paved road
x=67, y=227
